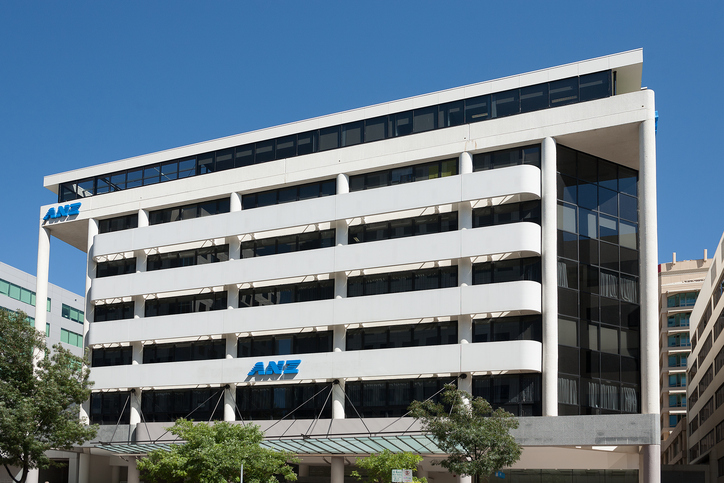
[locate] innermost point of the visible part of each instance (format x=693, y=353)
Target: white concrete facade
x=619, y=128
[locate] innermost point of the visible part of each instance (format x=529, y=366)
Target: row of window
x=491, y=106
x=383, y=283
x=188, y=212
x=592, y=364
x=589, y=396
x=591, y=251
x=184, y=351
x=289, y=194
x=285, y=294
x=410, y=335
x=187, y=258
x=277, y=345
x=71, y=338
x=591, y=335
x=593, y=280
x=677, y=400
x=677, y=360
x=678, y=320
x=19, y=293
x=288, y=243
x=112, y=268
x=404, y=227
x=73, y=314
x=117, y=311
x=186, y=304
x=405, y=174
x=507, y=271
x=590, y=224
x=686, y=299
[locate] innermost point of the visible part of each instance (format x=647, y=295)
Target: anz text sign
x=275, y=367
x=62, y=211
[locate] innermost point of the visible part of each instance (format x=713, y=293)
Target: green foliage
x=213, y=453
x=379, y=466
x=39, y=405
x=476, y=438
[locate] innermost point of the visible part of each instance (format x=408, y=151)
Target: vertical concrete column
x=466, y=163
x=232, y=296
x=337, y=475
x=549, y=262
x=339, y=344
x=234, y=247
x=235, y=202
x=41, y=280
x=341, y=238
x=134, y=476
x=139, y=307
x=232, y=343
x=230, y=403
x=115, y=474
x=141, y=260
x=84, y=468
x=465, y=383
x=32, y=475
x=136, y=352
x=649, y=284
x=465, y=265
x=89, y=307
x=303, y=470
x=461, y=479
x=136, y=395
x=72, y=467
x=142, y=218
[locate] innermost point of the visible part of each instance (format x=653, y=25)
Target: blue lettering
x=61, y=211
x=74, y=209
x=274, y=367
x=292, y=367
x=50, y=214
x=258, y=369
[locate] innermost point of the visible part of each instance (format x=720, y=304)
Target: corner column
x=41, y=280
x=549, y=262
x=649, y=285
x=340, y=331
x=465, y=264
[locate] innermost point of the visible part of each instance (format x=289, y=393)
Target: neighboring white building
x=62, y=324
x=705, y=390
x=501, y=235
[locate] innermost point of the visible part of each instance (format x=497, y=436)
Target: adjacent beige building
x=679, y=285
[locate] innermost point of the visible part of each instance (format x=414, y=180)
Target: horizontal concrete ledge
x=607, y=430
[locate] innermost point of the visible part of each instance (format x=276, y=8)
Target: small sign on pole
x=500, y=474
x=401, y=476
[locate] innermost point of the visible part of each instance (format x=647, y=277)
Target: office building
x=679, y=284
x=318, y=276
x=62, y=324
x=705, y=392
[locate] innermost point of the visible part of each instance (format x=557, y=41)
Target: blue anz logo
x=62, y=212
x=278, y=367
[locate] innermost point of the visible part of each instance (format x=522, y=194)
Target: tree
x=476, y=438
x=40, y=396
x=214, y=453
x=379, y=466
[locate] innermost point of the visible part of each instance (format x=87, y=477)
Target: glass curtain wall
x=598, y=286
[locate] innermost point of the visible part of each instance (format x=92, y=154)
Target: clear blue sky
x=87, y=82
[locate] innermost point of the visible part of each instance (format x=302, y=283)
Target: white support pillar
x=115, y=474
x=649, y=285
x=136, y=353
x=235, y=202
x=142, y=218
x=466, y=163
x=73, y=467
x=234, y=247
x=89, y=307
x=141, y=260
x=549, y=263
x=230, y=403
x=232, y=343
x=232, y=296
x=461, y=479
x=32, y=475
x=84, y=468
x=134, y=476
x=465, y=383
x=337, y=474
x=135, y=402
x=41, y=281
x=139, y=307
x=338, y=400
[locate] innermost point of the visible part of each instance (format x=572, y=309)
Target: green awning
x=419, y=443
